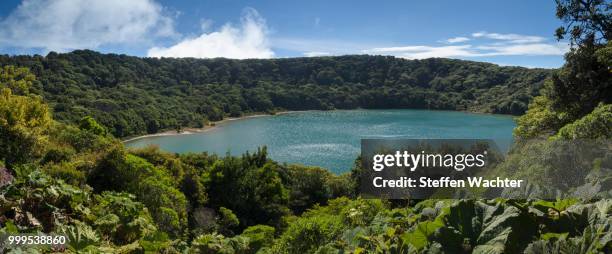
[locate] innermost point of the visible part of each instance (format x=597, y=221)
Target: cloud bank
x=62, y=25
x=510, y=38
x=489, y=44
x=249, y=40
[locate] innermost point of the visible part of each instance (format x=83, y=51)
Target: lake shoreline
x=191, y=130
x=330, y=138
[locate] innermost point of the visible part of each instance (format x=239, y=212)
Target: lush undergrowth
x=81, y=182
x=108, y=199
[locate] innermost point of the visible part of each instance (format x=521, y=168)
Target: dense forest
x=75, y=178
x=132, y=96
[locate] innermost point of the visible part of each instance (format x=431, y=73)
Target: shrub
x=89, y=124
x=67, y=172
x=227, y=220
x=218, y=244
x=259, y=236
x=304, y=235
x=57, y=154
x=168, y=206
x=596, y=125
x=120, y=218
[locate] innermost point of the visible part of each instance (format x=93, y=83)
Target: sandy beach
x=188, y=131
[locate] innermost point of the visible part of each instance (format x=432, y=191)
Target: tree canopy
x=583, y=83
x=132, y=96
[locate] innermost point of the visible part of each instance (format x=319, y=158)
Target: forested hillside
x=132, y=95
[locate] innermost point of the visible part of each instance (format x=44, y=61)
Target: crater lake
x=331, y=139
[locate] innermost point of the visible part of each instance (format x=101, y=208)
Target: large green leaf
x=475, y=226
x=421, y=234
x=595, y=239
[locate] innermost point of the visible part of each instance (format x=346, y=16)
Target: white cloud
x=420, y=52
x=503, y=45
x=457, y=39
x=249, y=40
x=459, y=51
x=62, y=25
x=534, y=49
x=511, y=38
x=480, y=45
x=316, y=53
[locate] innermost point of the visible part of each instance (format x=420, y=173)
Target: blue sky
x=502, y=32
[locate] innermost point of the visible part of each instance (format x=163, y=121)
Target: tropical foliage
x=132, y=96
x=71, y=176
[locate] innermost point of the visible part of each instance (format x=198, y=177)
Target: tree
x=134, y=96
x=18, y=80
x=250, y=187
x=153, y=186
x=585, y=20
x=584, y=81
x=24, y=119
x=307, y=186
x=259, y=236
x=90, y=124
x=227, y=221
x=597, y=124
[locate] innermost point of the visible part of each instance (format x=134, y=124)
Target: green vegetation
x=73, y=177
x=134, y=96
x=583, y=83
x=23, y=117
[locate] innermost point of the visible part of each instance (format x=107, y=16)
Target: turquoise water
x=331, y=139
